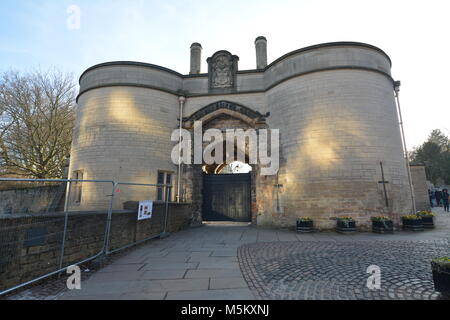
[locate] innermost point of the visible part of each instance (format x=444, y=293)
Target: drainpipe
x=181, y=100
x=67, y=175
x=408, y=168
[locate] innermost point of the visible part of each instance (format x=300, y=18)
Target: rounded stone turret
x=338, y=121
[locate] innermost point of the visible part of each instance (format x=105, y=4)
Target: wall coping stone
x=80, y=213
x=309, y=48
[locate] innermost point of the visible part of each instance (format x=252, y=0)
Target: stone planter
x=428, y=222
x=346, y=226
x=305, y=226
x=412, y=224
x=441, y=277
x=382, y=226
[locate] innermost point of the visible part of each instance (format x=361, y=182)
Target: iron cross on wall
x=384, y=182
x=278, y=186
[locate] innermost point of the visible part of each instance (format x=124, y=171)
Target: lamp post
x=408, y=168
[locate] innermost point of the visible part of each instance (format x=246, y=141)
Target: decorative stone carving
x=227, y=105
x=222, y=77
x=222, y=68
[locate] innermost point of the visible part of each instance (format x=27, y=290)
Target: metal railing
x=163, y=232
x=23, y=229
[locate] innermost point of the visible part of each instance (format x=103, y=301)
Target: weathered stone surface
x=29, y=200
x=222, y=69
x=419, y=180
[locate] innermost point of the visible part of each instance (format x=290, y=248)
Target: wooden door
x=227, y=197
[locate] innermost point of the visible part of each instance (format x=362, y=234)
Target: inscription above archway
x=226, y=107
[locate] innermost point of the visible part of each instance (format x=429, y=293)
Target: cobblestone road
x=337, y=270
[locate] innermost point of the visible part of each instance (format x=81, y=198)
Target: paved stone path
x=206, y=263
x=198, y=263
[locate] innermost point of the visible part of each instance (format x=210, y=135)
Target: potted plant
x=441, y=275
x=305, y=224
x=412, y=222
x=382, y=224
x=427, y=219
x=345, y=225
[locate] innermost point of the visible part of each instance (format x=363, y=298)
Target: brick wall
x=30, y=246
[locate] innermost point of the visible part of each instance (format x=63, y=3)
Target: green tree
x=435, y=154
x=439, y=138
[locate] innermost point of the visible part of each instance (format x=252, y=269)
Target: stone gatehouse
x=333, y=104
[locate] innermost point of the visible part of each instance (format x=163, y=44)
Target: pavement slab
x=226, y=294
x=228, y=283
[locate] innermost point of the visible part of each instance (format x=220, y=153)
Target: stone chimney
x=196, y=58
x=261, y=52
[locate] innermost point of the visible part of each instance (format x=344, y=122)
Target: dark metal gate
x=227, y=197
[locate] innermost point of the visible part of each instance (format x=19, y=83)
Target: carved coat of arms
x=222, y=76
x=222, y=70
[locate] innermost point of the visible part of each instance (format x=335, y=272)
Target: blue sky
x=34, y=34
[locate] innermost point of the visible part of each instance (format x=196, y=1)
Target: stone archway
x=221, y=115
x=236, y=110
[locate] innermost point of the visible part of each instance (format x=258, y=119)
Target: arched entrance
x=225, y=191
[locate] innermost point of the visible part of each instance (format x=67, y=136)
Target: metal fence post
x=165, y=233
x=66, y=200
x=109, y=219
x=66, y=218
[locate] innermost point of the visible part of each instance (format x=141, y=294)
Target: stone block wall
x=336, y=127
x=30, y=199
x=419, y=180
x=30, y=246
x=122, y=134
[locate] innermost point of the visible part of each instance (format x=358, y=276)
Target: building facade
x=340, y=145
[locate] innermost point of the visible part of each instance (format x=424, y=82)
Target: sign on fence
x=145, y=210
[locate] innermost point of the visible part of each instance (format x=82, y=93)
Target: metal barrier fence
x=134, y=192
x=47, y=225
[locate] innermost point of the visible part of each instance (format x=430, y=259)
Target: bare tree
x=36, y=121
